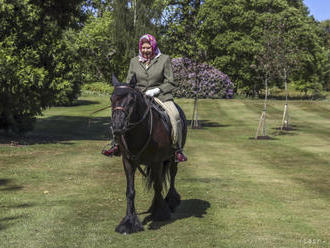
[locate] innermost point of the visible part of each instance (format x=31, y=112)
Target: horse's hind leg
x=159, y=209
x=173, y=198
x=130, y=223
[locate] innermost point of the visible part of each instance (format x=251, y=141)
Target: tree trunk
x=262, y=121
x=194, y=119
x=135, y=11
x=265, y=108
x=285, y=119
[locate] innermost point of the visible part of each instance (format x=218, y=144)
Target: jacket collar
x=153, y=61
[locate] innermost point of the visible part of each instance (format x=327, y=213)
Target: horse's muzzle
x=118, y=122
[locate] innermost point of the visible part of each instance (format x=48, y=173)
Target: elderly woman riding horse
x=154, y=75
x=142, y=134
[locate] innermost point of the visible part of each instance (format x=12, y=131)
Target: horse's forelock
x=118, y=91
x=124, y=89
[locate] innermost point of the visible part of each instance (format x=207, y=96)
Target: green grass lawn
x=57, y=190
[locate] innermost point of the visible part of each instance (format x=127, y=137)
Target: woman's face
x=146, y=50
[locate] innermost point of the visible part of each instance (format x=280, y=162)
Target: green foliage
x=93, y=47
x=109, y=38
x=98, y=88
x=132, y=19
x=325, y=27
x=40, y=67
x=179, y=37
x=327, y=70
x=35, y=69
x=231, y=32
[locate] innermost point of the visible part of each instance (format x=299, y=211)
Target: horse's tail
x=155, y=173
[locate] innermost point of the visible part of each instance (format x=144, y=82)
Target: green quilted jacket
x=159, y=74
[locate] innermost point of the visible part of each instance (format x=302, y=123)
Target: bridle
x=128, y=113
x=130, y=125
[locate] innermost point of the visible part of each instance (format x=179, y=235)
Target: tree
x=325, y=27
x=181, y=39
x=286, y=59
x=94, y=48
x=109, y=38
x=227, y=32
x=132, y=19
x=231, y=32
x=265, y=67
x=34, y=70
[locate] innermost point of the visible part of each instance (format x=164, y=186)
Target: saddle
x=163, y=115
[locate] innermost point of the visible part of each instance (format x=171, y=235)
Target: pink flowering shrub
x=201, y=80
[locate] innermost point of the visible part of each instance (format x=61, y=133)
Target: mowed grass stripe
x=236, y=192
x=277, y=178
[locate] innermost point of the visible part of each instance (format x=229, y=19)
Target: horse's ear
x=115, y=81
x=133, y=81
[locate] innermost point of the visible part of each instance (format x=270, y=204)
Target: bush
x=200, y=80
x=98, y=88
x=37, y=69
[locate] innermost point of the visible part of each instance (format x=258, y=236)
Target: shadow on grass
x=57, y=129
x=188, y=208
x=306, y=97
x=83, y=103
x=8, y=185
x=288, y=131
x=263, y=138
x=79, y=103
x=207, y=123
x=4, y=221
x=7, y=221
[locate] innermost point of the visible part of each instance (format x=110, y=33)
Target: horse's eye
x=131, y=102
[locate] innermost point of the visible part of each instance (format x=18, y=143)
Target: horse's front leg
x=130, y=223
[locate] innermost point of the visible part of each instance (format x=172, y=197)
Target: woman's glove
x=153, y=92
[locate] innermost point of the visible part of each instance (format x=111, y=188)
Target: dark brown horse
x=145, y=140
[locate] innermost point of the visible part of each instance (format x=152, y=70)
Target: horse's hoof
x=129, y=225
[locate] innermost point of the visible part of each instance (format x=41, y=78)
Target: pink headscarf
x=153, y=43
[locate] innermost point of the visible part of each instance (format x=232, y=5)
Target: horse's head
x=124, y=102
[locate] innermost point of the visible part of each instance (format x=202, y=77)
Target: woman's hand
x=153, y=92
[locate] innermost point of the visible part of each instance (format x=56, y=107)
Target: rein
x=129, y=153
x=131, y=125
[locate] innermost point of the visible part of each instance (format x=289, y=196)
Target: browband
x=123, y=87
x=118, y=108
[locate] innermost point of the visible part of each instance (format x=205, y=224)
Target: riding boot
x=113, y=151
x=180, y=157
